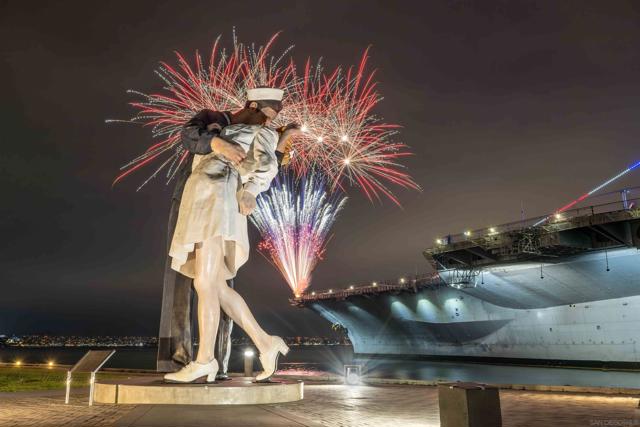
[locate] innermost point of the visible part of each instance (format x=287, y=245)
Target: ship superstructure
x=563, y=287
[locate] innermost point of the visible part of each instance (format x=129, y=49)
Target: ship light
x=558, y=216
x=313, y=293
x=402, y=280
x=50, y=363
x=330, y=291
x=492, y=230
x=374, y=284
x=467, y=233
x=351, y=287
x=18, y=362
x=439, y=241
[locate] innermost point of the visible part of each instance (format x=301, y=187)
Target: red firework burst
x=341, y=137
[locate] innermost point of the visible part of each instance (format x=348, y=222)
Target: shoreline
x=326, y=378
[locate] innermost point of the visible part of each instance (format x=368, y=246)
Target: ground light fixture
x=353, y=374
x=248, y=362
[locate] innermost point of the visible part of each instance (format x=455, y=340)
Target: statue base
x=239, y=391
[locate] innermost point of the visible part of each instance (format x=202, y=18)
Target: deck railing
x=413, y=283
x=402, y=284
x=550, y=219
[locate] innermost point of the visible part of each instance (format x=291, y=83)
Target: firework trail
x=294, y=218
x=341, y=138
x=219, y=84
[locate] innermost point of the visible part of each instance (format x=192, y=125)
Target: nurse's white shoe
x=193, y=371
x=269, y=358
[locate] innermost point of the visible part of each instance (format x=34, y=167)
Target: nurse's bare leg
x=209, y=277
x=269, y=346
x=233, y=304
x=236, y=308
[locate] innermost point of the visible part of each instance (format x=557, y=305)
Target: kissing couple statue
x=236, y=156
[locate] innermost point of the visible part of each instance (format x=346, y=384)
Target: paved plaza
x=323, y=405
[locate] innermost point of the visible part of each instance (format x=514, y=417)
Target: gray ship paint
x=582, y=307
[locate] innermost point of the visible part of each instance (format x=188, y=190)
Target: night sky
x=504, y=103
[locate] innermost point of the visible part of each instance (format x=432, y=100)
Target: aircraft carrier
x=563, y=288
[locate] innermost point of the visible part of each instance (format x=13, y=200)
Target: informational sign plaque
x=91, y=362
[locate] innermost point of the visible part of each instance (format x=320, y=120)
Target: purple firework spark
x=294, y=218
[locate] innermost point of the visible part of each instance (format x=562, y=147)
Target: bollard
x=248, y=363
x=469, y=405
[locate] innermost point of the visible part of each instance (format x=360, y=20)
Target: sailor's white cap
x=265, y=94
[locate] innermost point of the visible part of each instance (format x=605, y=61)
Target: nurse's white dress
x=209, y=205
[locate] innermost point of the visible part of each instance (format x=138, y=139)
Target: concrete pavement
x=325, y=405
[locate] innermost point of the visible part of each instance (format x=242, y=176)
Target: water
x=316, y=358
x=309, y=359
x=133, y=358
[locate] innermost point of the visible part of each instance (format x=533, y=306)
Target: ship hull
x=584, y=308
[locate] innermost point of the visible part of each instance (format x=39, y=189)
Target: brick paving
x=33, y=411
x=410, y=406
x=344, y=406
x=521, y=409
x=366, y=406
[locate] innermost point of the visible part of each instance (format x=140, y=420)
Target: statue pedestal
x=238, y=391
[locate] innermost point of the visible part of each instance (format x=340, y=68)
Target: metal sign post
x=66, y=399
x=91, y=362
